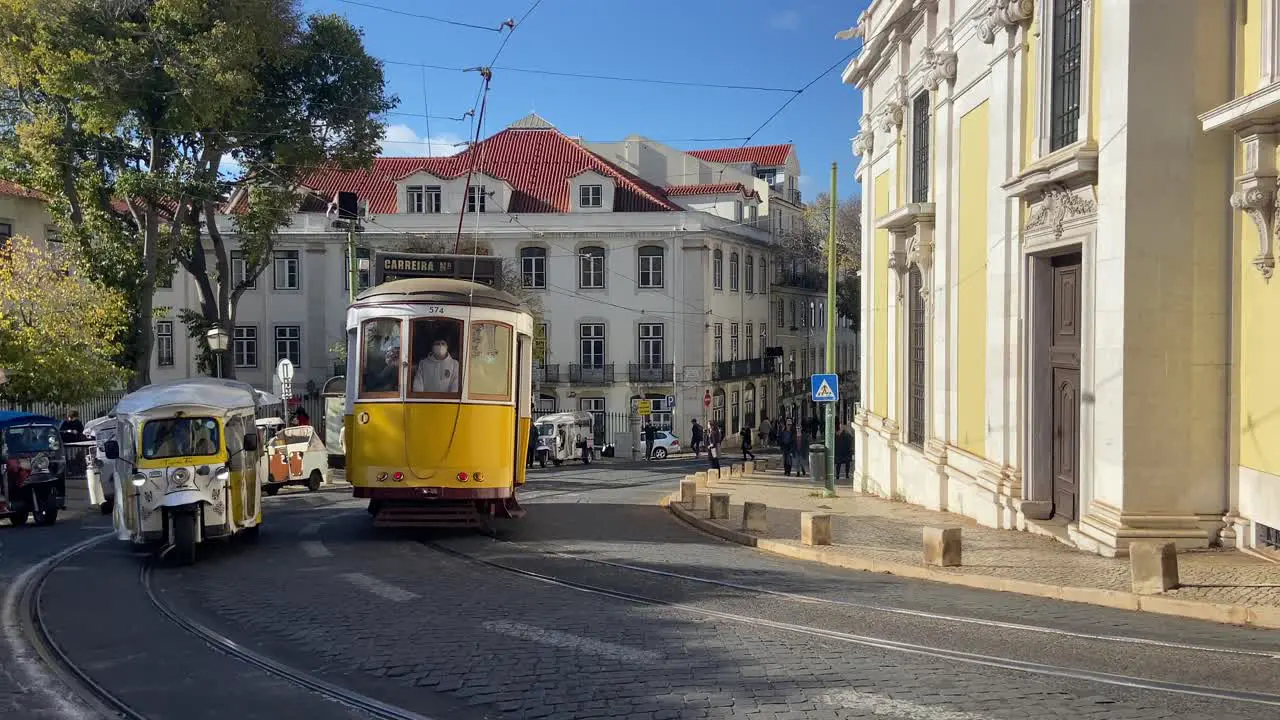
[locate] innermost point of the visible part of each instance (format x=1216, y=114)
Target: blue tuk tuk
x=33, y=468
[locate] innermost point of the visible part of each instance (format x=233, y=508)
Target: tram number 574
x=433, y=310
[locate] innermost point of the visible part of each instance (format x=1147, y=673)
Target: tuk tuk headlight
x=40, y=464
x=222, y=474
x=139, y=479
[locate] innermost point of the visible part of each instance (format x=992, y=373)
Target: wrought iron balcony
x=591, y=374
x=651, y=372
x=546, y=374
x=734, y=369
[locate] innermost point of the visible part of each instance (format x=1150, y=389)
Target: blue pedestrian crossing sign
x=825, y=388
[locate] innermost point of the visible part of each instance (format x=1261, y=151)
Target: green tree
x=806, y=245
x=57, y=328
x=125, y=114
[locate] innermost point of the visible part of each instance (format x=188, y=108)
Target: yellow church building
x=1070, y=217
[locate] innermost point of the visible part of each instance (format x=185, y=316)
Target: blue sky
x=779, y=44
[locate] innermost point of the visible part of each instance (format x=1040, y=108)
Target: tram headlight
x=139, y=479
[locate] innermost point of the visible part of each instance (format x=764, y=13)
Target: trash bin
x=818, y=464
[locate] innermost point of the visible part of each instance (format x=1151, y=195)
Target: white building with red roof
x=653, y=266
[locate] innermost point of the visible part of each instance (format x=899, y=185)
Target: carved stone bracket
x=939, y=67
x=1257, y=199
x=911, y=227
x=1058, y=205
x=1001, y=14
x=865, y=142
x=891, y=116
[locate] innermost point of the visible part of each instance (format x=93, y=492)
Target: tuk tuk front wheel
x=313, y=482
x=46, y=507
x=184, y=537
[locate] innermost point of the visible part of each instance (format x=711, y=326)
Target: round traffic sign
x=706, y=399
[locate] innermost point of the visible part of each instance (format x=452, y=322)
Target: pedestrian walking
x=713, y=445
x=695, y=438
x=802, y=451
x=786, y=443
x=745, y=434
x=844, y=451
x=766, y=432
x=650, y=436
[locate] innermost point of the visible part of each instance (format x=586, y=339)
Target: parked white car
x=665, y=443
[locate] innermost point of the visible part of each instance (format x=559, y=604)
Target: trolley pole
x=829, y=413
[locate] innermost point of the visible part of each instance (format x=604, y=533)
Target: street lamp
x=218, y=340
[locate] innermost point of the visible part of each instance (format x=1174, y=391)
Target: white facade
x=635, y=304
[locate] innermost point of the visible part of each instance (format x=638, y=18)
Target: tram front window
x=380, y=351
x=436, y=348
x=490, y=362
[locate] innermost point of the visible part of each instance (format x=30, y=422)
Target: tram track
x=882, y=643
x=25, y=602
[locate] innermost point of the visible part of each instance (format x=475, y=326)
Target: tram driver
x=437, y=372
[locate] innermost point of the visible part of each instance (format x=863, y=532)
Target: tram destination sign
x=390, y=266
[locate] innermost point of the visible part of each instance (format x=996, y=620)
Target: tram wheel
x=184, y=537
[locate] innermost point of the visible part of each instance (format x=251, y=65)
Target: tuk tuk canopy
x=210, y=393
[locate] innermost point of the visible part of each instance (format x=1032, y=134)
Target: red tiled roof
x=709, y=189
x=12, y=189
x=536, y=163
x=767, y=155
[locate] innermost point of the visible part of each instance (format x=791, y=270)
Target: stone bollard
x=701, y=479
x=688, y=491
x=748, y=468
x=754, y=517
x=701, y=501
x=942, y=546
x=713, y=475
x=719, y=506
x=1153, y=567
x=761, y=464
x=735, y=472
x=815, y=528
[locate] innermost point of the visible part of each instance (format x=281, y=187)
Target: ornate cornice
x=939, y=67
x=1001, y=14
x=1258, y=200
x=1058, y=206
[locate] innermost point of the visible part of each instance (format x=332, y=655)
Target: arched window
x=717, y=269
x=533, y=268
x=591, y=268
x=733, y=272
x=750, y=274
x=650, y=266
x=915, y=358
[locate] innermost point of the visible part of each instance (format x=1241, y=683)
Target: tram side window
x=380, y=357
x=437, y=355
x=490, y=363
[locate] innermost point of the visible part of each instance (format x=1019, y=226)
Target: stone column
x=1161, y=269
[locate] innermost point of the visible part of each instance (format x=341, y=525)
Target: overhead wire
x=433, y=18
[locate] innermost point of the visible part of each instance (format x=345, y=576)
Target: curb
x=1258, y=617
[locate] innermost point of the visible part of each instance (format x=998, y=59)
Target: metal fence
x=89, y=410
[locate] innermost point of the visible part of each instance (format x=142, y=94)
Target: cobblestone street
x=599, y=604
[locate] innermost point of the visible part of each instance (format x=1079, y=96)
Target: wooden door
x=1064, y=361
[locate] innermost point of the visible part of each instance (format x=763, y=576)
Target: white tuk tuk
x=294, y=456
x=565, y=436
x=99, y=471
x=186, y=468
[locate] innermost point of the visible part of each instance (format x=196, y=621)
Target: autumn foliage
x=59, y=332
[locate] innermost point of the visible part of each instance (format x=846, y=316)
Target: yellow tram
x=438, y=401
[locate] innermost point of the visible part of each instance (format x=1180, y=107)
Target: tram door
x=524, y=404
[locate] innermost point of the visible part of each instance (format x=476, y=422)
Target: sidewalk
x=878, y=535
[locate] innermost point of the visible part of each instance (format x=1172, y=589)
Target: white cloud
x=785, y=20
x=404, y=140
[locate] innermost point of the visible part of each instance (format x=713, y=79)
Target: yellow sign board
x=643, y=407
